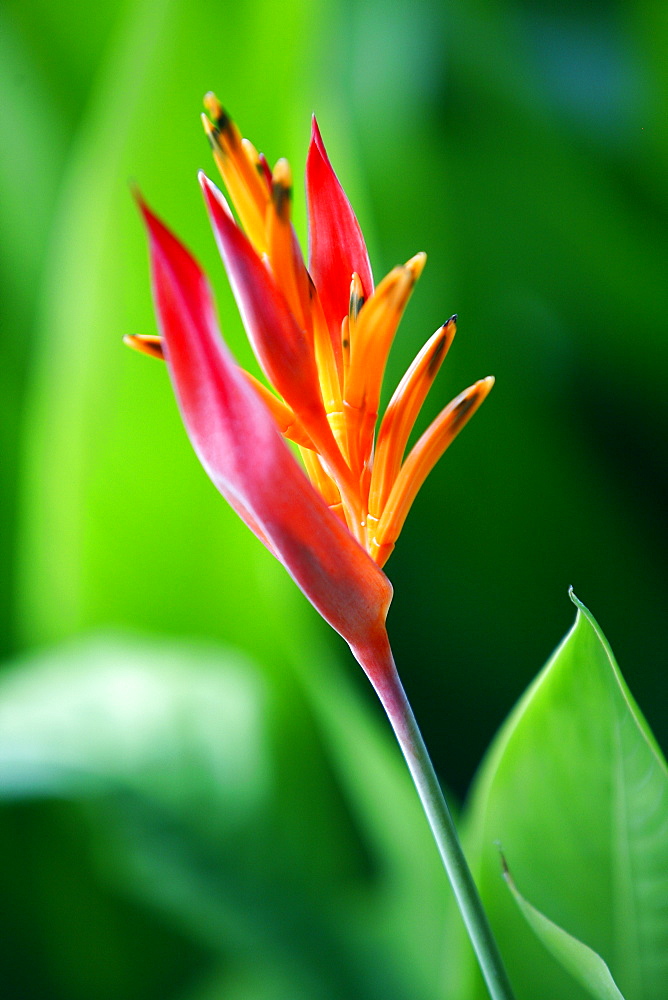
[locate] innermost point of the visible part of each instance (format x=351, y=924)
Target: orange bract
x=346, y=327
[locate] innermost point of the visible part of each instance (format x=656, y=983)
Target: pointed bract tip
x=137, y=196
x=416, y=265
x=159, y=234
x=212, y=193
x=281, y=189
x=440, y=344
x=356, y=296
x=282, y=173
x=266, y=169
x=216, y=111
x=211, y=132
x=316, y=138
x=481, y=389
x=449, y=328
x=154, y=225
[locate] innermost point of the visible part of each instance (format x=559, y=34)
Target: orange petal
x=401, y=414
x=241, y=169
x=418, y=465
x=370, y=343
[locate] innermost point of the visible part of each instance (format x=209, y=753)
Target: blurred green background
x=524, y=146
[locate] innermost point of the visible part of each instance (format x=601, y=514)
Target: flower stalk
x=390, y=690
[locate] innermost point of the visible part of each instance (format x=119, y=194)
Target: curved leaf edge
x=576, y=957
x=484, y=779
x=632, y=705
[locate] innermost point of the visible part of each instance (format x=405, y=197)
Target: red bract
x=238, y=444
x=336, y=245
x=321, y=337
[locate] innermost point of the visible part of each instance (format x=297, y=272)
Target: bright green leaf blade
x=576, y=791
x=583, y=963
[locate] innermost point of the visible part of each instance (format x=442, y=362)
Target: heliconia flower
x=321, y=335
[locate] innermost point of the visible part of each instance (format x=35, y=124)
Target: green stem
x=390, y=690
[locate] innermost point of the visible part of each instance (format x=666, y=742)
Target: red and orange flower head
x=321, y=335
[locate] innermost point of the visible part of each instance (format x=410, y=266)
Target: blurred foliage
x=234, y=813
x=524, y=146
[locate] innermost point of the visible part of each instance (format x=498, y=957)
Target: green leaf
x=583, y=963
x=576, y=792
